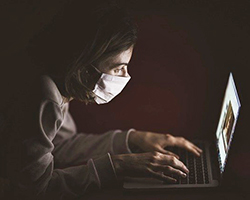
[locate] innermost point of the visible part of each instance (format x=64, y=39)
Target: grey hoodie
x=43, y=155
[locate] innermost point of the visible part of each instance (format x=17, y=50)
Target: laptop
x=205, y=171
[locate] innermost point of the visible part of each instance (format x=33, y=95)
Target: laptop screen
x=227, y=122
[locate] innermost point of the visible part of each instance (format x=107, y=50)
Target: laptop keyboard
x=198, y=171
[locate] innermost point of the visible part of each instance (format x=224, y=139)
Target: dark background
x=179, y=70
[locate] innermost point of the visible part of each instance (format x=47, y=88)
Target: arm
x=73, y=149
x=31, y=168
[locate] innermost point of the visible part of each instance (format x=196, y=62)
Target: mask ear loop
x=88, y=77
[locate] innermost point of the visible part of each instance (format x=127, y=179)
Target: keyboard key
x=183, y=180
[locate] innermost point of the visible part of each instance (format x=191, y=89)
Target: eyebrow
x=117, y=64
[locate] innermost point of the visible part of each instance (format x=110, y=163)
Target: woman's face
x=117, y=65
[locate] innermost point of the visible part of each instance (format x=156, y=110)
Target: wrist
x=132, y=137
x=133, y=142
x=117, y=161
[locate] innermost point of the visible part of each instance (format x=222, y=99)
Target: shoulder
x=51, y=106
x=49, y=90
x=38, y=96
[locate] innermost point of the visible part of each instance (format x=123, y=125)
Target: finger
x=183, y=143
x=172, y=171
x=170, y=160
x=161, y=176
x=168, y=170
x=196, y=148
x=192, y=150
x=161, y=150
x=178, y=165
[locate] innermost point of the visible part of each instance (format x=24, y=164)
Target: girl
x=83, y=54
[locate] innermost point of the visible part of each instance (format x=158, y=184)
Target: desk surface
x=177, y=194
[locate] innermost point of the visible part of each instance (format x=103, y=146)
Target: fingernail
x=183, y=175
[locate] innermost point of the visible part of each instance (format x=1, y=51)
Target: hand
x=149, y=141
x=150, y=164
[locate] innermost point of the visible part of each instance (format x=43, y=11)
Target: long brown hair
x=79, y=37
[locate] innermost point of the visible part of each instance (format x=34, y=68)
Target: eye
x=119, y=70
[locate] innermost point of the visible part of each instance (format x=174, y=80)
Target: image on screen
x=228, y=118
x=227, y=125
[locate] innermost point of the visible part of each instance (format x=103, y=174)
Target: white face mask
x=109, y=86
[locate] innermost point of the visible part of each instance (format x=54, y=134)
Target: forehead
x=123, y=57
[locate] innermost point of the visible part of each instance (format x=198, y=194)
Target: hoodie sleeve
x=73, y=149
x=32, y=170
x=81, y=147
